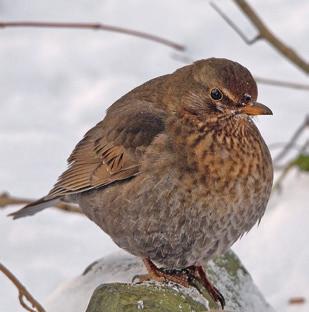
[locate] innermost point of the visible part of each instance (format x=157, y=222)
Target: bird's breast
x=232, y=161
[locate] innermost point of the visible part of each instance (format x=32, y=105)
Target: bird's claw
x=191, y=276
x=217, y=296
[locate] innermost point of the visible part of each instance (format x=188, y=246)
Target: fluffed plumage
x=176, y=171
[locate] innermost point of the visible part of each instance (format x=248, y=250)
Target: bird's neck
x=192, y=126
x=219, y=141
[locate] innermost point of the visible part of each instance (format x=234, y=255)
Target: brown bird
x=176, y=171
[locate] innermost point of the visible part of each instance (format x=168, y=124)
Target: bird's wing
x=112, y=150
x=109, y=152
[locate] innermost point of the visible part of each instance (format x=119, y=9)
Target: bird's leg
x=186, y=277
x=199, y=274
x=163, y=275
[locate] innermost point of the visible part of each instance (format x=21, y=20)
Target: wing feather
x=110, y=151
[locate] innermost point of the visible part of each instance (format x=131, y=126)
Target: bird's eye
x=247, y=97
x=216, y=94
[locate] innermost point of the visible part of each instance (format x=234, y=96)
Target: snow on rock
x=227, y=273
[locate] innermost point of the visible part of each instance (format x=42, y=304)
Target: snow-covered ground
x=55, y=84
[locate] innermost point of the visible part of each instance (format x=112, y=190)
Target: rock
x=111, y=272
x=128, y=298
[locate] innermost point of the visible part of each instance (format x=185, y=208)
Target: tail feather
x=34, y=207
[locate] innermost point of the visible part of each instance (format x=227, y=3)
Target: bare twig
x=23, y=293
x=292, y=141
x=280, y=83
x=234, y=26
x=264, y=33
x=280, y=145
x=287, y=147
x=94, y=26
x=297, y=300
x=286, y=169
x=7, y=200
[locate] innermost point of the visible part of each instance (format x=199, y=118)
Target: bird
x=176, y=172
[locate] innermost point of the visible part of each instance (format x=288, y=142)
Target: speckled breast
x=190, y=203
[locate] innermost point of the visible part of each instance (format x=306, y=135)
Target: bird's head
x=220, y=87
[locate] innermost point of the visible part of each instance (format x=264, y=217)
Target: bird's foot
x=196, y=277
x=162, y=275
x=191, y=276
x=199, y=274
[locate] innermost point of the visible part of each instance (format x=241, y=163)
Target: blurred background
x=57, y=83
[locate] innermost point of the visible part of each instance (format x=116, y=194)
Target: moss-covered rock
x=226, y=272
x=119, y=297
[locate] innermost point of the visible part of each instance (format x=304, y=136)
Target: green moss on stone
x=230, y=263
x=118, y=297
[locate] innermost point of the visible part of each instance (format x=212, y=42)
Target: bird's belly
x=174, y=223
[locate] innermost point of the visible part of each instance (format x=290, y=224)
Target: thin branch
x=7, y=200
x=182, y=58
x=279, y=145
x=297, y=300
x=234, y=26
x=292, y=141
x=266, y=34
x=286, y=169
x=23, y=293
x=94, y=26
x=280, y=83
x=263, y=33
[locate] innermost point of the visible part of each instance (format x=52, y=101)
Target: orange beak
x=255, y=108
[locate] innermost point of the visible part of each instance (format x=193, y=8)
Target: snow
x=140, y=305
x=276, y=253
x=122, y=267
x=56, y=84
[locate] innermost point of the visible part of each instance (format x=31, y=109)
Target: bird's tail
x=35, y=207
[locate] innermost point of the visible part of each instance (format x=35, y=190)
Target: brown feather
x=110, y=151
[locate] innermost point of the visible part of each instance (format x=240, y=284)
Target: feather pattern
x=109, y=152
x=104, y=156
